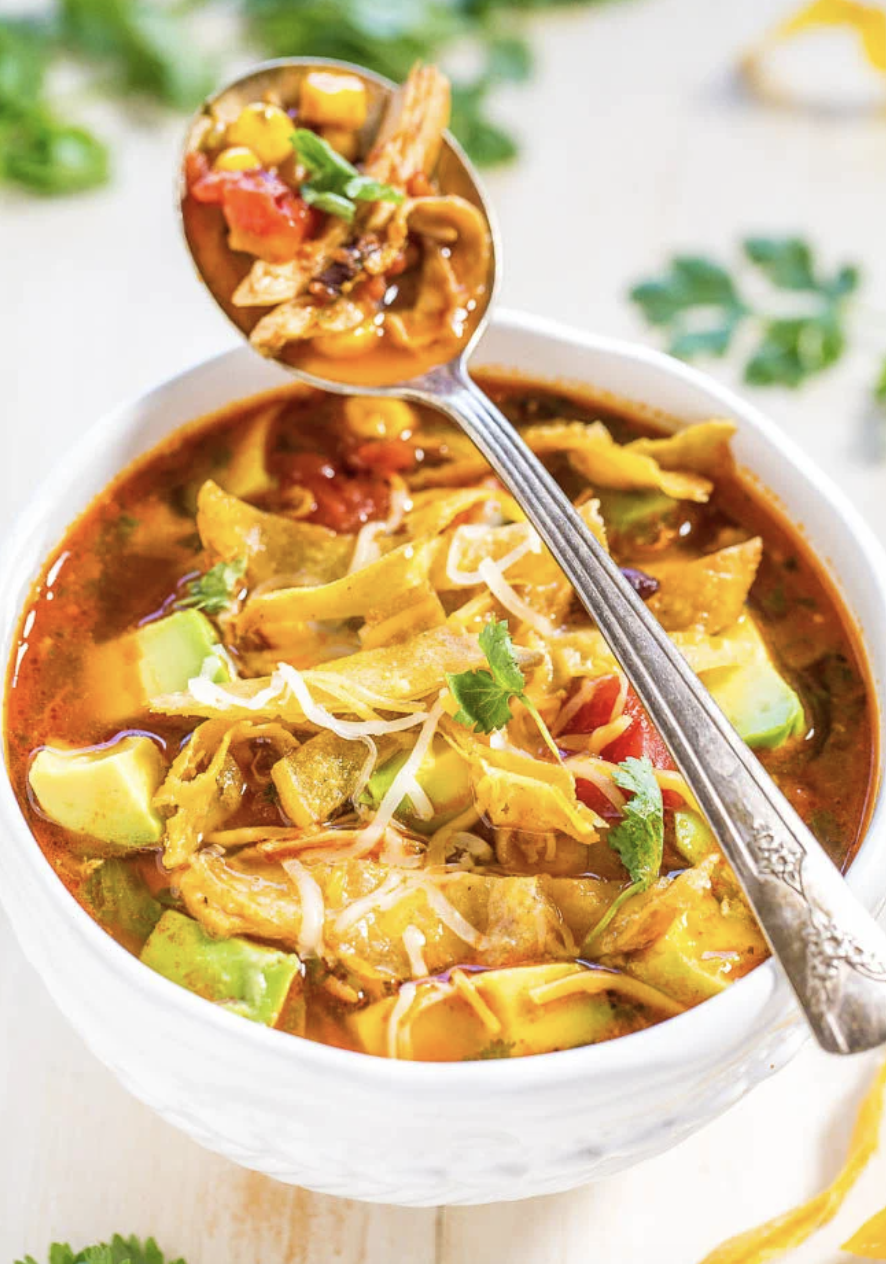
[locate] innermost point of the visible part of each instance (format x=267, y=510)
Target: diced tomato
x=640, y=739
x=344, y=502
x=594, y=798
x=598, y=709
x=265, y=216
x=389, y=455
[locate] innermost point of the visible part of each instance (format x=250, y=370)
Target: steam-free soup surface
x=303, y=714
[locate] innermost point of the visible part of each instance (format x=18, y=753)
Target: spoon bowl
x=831, y=949
x=221, y=269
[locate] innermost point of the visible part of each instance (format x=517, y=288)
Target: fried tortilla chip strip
x=784, y=1233
x=708, y=593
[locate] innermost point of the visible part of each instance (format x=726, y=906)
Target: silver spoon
x=829, y=946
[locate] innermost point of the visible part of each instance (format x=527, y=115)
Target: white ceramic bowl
x=404, y=1132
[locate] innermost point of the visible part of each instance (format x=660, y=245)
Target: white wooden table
x=637, y=142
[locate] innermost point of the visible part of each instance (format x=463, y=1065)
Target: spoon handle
x=830, y=947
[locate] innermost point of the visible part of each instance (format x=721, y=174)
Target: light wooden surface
x=637, y=141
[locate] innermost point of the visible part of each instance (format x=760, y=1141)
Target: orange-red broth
x=129, y=554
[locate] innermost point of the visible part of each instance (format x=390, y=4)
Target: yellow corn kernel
x=355, y=342
x=236, y=158
x=344, y=142
x=333, y=100
x=369, y=418
x=266, y=130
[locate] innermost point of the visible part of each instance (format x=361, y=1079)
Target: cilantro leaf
x=638, y=839
x=484, y=697
x=145, y=45
x=335, y=185
x=693, y=285
x=795, y=348
x=119, y=1250
x=788, y=264
x=214, y=591
x=496, y=644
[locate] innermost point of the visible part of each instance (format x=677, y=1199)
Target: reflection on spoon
x=336, y=223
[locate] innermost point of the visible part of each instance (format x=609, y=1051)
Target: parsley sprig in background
x=704, y=309
x=153, y=48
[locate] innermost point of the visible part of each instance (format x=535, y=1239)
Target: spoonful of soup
x=340, y=227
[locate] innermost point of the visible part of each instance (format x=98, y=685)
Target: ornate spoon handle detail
x=831, y=949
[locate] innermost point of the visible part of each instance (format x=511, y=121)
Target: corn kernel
x=333, y=100
x=266, y=130
x=370, y=418
x=236, y=158
x=355, y=342
x=342, y=141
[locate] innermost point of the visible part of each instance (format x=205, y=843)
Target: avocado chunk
x=443, y=775
x=106, y=793
x=693, y=837
x=761, y=706
x=158, y=658
x=631, y=511
x=247, y=978
x=119, y=899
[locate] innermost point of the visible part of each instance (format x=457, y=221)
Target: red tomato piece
x=594, y=798
x=598, y=709
x=639, y=740
x=264, y=215
x=344, y=502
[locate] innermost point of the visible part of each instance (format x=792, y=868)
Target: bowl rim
x=668, y=1044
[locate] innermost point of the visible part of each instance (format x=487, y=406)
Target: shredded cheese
x=396, y=1037
x=324, y=719
x=590, y=769
x=313, y=909
x=467, y=579
x=492, y=577
x=600, y=980
x=366, y=546
x=399, y=786
x=413, y=942
x=584, y=693
x=467, y=990
x=607, y=733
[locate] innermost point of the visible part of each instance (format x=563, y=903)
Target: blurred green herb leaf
x=38, y=149
x=118, y=1251
x=701, y=306
x=880, y=384
x=144, y=44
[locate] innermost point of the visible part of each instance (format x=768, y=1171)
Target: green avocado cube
x=693, y=836
x=174, y=650
x=106, y=793
x=443, y=775
x=629, y=511
x=123, y=675
x=761, y=706
x=118, y=897
x=247, y=978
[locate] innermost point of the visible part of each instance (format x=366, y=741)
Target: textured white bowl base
x=369, y=1128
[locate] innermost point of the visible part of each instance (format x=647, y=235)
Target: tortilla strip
x=701, y=449
x=708, y=593
x=271, y=544
x=394, y=675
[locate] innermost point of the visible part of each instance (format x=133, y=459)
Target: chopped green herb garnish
x=214, y=591
x=495, y=1049
x=118, y=1251
x=335, y=186
x=702, y=307
x=484, y=697
x=638, y=839
x=880, y=384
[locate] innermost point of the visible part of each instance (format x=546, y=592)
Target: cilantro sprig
x=214, y=591
x=639, y=837
x=703, y=306
x=119, y=1250
x=335, y=186
x=484, y=696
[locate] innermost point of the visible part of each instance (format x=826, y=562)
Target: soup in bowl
x=304, y=717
